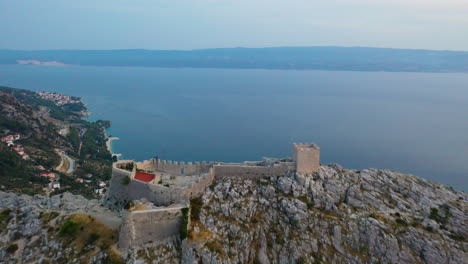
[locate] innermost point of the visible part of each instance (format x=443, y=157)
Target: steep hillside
x=52, y=135
x=38, y=137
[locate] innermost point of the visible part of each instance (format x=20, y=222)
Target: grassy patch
x=215, y=247
x=85, y=230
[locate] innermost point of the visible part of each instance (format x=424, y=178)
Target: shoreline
x=109, y=146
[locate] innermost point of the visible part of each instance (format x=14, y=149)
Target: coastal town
x=58, y=99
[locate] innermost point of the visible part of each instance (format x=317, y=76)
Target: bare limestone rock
x=333, y=215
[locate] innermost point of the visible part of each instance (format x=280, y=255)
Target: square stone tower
x=307, y=157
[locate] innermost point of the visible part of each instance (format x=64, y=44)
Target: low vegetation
x=184, y=223
x=87, y=235
x=85, y=142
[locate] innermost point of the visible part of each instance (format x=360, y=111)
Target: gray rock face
x=333, y=216
x=23, y=223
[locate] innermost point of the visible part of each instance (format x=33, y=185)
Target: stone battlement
x=176, y=168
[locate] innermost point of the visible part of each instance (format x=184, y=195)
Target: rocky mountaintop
x=333, y=216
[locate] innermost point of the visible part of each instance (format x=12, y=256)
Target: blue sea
x=409, y=122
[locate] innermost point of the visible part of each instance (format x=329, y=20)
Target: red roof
x=146, y=177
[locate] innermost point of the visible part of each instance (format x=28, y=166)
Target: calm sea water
x=410, y=122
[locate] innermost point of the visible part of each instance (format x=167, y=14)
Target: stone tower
x=307, y=157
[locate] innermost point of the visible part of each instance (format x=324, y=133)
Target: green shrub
x=429, y=228
x=441, y=216
x=126, y=180
x=5, y=214
x=11, y=249
x=279, y=240
x=69, y=228
x=93, y=237
x=184, y=224
x=457, y=237
x=401, y=222
x=128, y=205
x=195, y=207
x=434, y=214
x=301, y=260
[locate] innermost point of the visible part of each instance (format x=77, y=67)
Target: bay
x=409, y=122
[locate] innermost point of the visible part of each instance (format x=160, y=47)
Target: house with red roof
x=40, y=167
x=51, y=175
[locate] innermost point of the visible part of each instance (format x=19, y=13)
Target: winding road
x=67, y=164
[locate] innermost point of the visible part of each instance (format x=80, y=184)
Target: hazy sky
x=193, y=24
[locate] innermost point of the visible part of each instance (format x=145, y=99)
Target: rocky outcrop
x=333, y=216
x=29, y=228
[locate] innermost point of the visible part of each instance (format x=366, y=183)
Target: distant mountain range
x=297, y=58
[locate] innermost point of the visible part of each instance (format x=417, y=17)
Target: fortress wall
x=157, y=225
x=117, y=195
x=227, y=170
x=174, y=167
x=158, y=194
x=197, y=188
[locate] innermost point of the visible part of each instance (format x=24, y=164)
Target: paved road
x=71, y=161
x=46, y=111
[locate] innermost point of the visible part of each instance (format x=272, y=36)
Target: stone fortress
x=167, y=186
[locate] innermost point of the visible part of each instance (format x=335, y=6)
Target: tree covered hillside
x=47, y=129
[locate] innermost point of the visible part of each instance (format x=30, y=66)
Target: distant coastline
x=327, y=58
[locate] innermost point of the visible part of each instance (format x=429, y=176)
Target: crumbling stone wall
x=156, y=225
